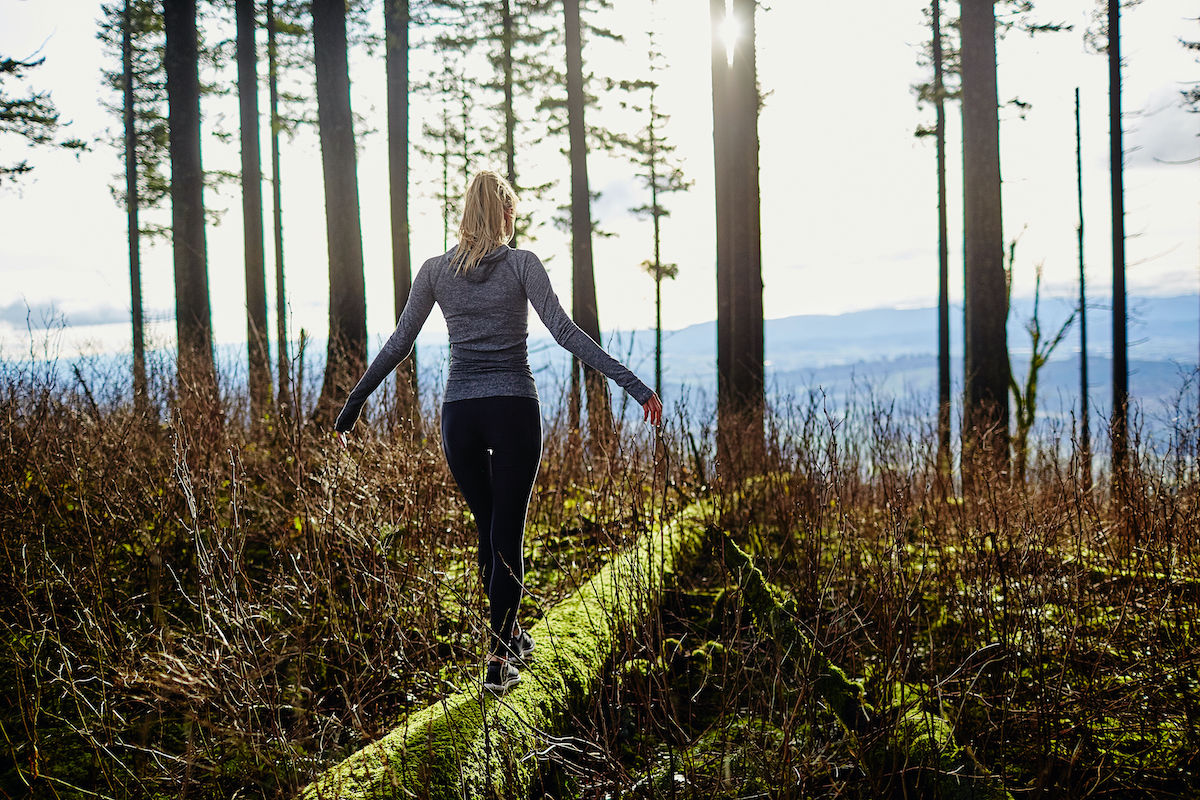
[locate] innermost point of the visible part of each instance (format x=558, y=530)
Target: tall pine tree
x=193, y=318
x=134, y=31
x=1085, y=432
x=661, y=175
x=286, y=40
x=257, y=334
x=1120, y=345
x=129, y=117
x=740, y=378
x=451, y=142
x=584, y=308
x=397, y=17
x=283, y=397
x=939, y=95
x=985, y=406
x=346, y=354
x=936, y=92
x=512, y=34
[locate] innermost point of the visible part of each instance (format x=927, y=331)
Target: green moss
x=917, y=744
x=731, y=760
x=473, y=745
x=776, y=613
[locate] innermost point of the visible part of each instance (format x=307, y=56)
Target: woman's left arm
x=568, y=334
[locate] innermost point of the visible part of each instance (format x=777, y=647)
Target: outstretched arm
x=395, y=349
x=568, y=334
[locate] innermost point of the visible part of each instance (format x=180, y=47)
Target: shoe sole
x=502, y=687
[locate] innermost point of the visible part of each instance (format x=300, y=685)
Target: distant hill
x=1160, y=329
x=885, y=351
x=894, y=351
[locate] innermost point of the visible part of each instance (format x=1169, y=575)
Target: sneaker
x=521, y=644
x=501, y=676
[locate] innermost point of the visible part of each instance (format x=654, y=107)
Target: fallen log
x=476, y=745
x=908, y=740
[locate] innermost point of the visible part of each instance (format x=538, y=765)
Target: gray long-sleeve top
x=487, y=315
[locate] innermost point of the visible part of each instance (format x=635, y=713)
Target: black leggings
x=494, y=447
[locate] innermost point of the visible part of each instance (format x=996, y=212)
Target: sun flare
x=729, y=30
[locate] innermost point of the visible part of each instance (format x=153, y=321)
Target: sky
x=848, y=192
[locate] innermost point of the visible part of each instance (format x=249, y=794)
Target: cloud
x=49, y=315
x=1164, y=131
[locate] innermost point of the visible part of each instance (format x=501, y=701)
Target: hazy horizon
x=848, y=193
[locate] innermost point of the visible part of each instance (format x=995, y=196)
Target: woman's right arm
x=397, y=348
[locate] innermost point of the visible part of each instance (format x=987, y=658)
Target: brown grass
x=222, y=609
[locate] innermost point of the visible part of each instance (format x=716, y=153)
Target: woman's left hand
x=652, y=410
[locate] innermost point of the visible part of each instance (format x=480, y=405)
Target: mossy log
x=476, y=745
x=907, y=739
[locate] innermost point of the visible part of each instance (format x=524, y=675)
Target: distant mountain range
x=894, y=351
x=888, y=352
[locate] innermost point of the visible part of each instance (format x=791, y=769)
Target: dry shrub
x=1051, y=624
x=222, y=609
x=219, y=608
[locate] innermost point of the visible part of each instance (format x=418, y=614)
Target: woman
x=491, y=421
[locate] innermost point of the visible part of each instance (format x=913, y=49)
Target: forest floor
x=224, y=610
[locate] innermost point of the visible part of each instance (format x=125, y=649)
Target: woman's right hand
x=652, y=410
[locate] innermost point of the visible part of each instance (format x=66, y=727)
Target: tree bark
x=396, y=21
x=346, y=355
x=1085, y=435
x=1120, y=364
x=257, y=333
x=740, y=376
x=583, y=284
x=283, y=398
x=656, y=216
x=193, y=318
x=985, y=411
x=507, y=35
x=141, y=396
x=944, y=457
x=472, y=744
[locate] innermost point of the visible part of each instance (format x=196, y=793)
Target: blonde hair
x=484, y=227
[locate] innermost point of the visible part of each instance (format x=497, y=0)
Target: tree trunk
x=472, y=744
x=507, y=25
x=257, y=335
x=141, y=396
x=985, y=407
x=346, y=355
x=583, y=284
x=656, y=216
x=1120, y=363
x=1085, y=435
x=396, y=20
x=658, y=331
x=193, y=319
x=284, y=398
x=944, y=457
x=574, y=436
x=740, y=397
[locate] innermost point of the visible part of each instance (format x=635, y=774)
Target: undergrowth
x=1052, y=628
x=224, y=609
